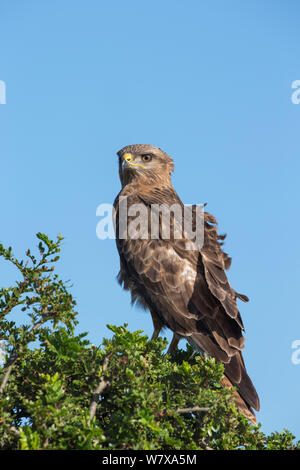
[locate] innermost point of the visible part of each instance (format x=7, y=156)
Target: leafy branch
x=59, y=391
x=40, y=293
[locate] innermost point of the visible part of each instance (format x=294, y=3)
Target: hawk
x=185, y=290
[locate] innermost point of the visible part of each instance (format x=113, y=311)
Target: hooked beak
x=128, y=161
x=127, y=158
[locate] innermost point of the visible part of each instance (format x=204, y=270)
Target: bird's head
x=144, y=162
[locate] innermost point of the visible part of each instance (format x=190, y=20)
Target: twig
x=13, y=358
x=205, y=447
x=15, y=431
x=196, y=409
x=191, y=410
x=102, y=385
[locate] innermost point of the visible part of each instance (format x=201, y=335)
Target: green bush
x=58, y=391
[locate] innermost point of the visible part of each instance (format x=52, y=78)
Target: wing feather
x=189, y=291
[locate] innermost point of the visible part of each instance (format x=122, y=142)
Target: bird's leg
x=174, y=343
x=157, y=324
x=155, y=333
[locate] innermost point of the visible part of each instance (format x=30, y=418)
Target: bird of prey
x=185, y=290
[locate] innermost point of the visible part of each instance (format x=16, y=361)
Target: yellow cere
x=127, y=157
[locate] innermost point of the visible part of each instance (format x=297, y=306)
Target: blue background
x=207, y=81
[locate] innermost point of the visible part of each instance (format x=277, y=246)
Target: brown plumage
x=185, y=290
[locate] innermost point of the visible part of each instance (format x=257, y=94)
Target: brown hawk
x=186, y=290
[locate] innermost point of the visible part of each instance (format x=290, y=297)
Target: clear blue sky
x=207, y=81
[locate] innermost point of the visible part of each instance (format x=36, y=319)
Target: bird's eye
x=146, y=158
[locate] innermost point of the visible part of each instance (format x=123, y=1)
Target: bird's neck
x=149, y=179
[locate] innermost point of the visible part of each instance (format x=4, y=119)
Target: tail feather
x=244, y=385
x=242, y=406
x=235, y=374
